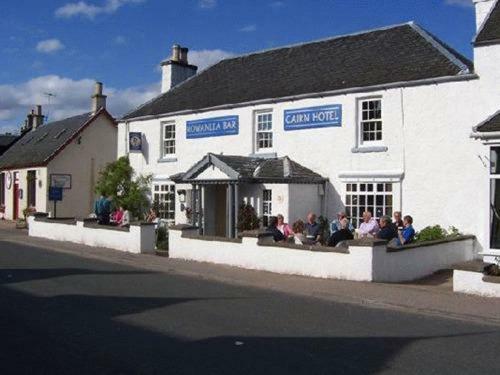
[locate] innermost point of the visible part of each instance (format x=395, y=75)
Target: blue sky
x=62, y=46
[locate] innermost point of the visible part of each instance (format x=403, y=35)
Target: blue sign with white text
x=55, y=193
x=212, y=127
x=313, y=117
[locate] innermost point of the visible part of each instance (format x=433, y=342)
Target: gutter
x=386, y=86
x=485, y=135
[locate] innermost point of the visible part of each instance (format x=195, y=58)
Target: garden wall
x=139, y=238
x=363, y=260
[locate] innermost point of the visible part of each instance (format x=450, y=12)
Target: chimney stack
x=37, y=116
x=176, y=69
x=98, y=99
x=483, y=8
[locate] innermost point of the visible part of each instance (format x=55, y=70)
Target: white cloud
x=71, y=97
x=120, y=39
x=206, y=57
x=207, y=4
x=84, y=9
x=462, y=3
x=248, y=28
x=49, y=46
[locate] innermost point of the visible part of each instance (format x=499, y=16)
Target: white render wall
x=470, y=282
x=438, y=172
x=362, y=263
x=139, y=239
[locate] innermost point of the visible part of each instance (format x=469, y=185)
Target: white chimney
x=37, y=117
x=483, y=8
x=98, y=99
x=176, y=69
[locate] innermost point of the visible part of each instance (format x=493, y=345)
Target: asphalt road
x=62, y=314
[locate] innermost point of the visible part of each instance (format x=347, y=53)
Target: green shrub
x=436, y=232
x=247, y=218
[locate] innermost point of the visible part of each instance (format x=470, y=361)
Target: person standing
x=369, y=227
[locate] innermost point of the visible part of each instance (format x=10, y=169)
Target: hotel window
x=370, y=115
x=264, y=130
x=374, y=197
x=267, y=206
x=164, y=201
x=168, y=139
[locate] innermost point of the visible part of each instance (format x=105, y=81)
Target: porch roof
x=491, y=124
x=246, y=169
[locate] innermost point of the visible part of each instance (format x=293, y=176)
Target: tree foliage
x=247, y=218
x=118, y=181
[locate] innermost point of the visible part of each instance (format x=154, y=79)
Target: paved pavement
x=64, y=313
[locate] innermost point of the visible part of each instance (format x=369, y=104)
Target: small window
x=168, y=139
x=267, y=206
x=370, y=115
x=264, y=130
x=164, y=201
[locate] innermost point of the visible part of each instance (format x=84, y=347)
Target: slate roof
x=492, y=124
x=395, y=54
x=39, y=146
x=252, y=170
x=7, y=139
x=489, y=33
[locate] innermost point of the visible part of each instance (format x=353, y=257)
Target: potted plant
x=162, y=240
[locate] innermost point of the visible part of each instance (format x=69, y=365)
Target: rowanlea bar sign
x=212, y=127
x=313, y=117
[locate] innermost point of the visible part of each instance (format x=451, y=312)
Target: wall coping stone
x=182, y=227
x=476, y=265
x=88, y=224
x=58, y=220
x=366, y=242
x=196, y=236
x=313, y=248
x=491, y=279
x=392, y=249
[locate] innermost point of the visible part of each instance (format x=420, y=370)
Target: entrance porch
x=220, y=184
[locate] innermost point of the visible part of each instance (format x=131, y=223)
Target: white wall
x=139, y=239
x=472, y=283
x=362, y=263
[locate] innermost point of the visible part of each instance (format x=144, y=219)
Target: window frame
x=269, y=132
x=354, y=211
x=361, y=122
x=165, y=206
x=164, y=139
x=267, y=206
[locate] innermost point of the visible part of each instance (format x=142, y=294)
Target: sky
x=62, y=47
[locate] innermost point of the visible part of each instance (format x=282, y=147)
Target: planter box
x=471, y=280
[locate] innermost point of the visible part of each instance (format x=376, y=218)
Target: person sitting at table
x=406, y=235
x=283, y=227
x=335, y=224
x=369, y=227
x=272, y=228
x=343, y=234
x=117, y=216
x=387, y=230
x=398, y=222
x=312, y=229
x=125, y=221
x=298, y=232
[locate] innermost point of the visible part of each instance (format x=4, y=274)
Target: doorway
x=15, y=196
x=31, y=189
x=220, y=212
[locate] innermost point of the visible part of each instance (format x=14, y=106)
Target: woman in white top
x=125, y=218
x=298, y=232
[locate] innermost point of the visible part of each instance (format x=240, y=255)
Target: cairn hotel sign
x=212, y=127
x=313, y=117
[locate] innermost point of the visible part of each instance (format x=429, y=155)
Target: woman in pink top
x=118, y=216
x=283, y=227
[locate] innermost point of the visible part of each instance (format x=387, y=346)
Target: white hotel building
x=382, y=120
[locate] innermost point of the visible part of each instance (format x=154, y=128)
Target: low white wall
x=471, y=282
x=417, y=262
x=139, y=238
x=249, y=255
x=362, y=263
